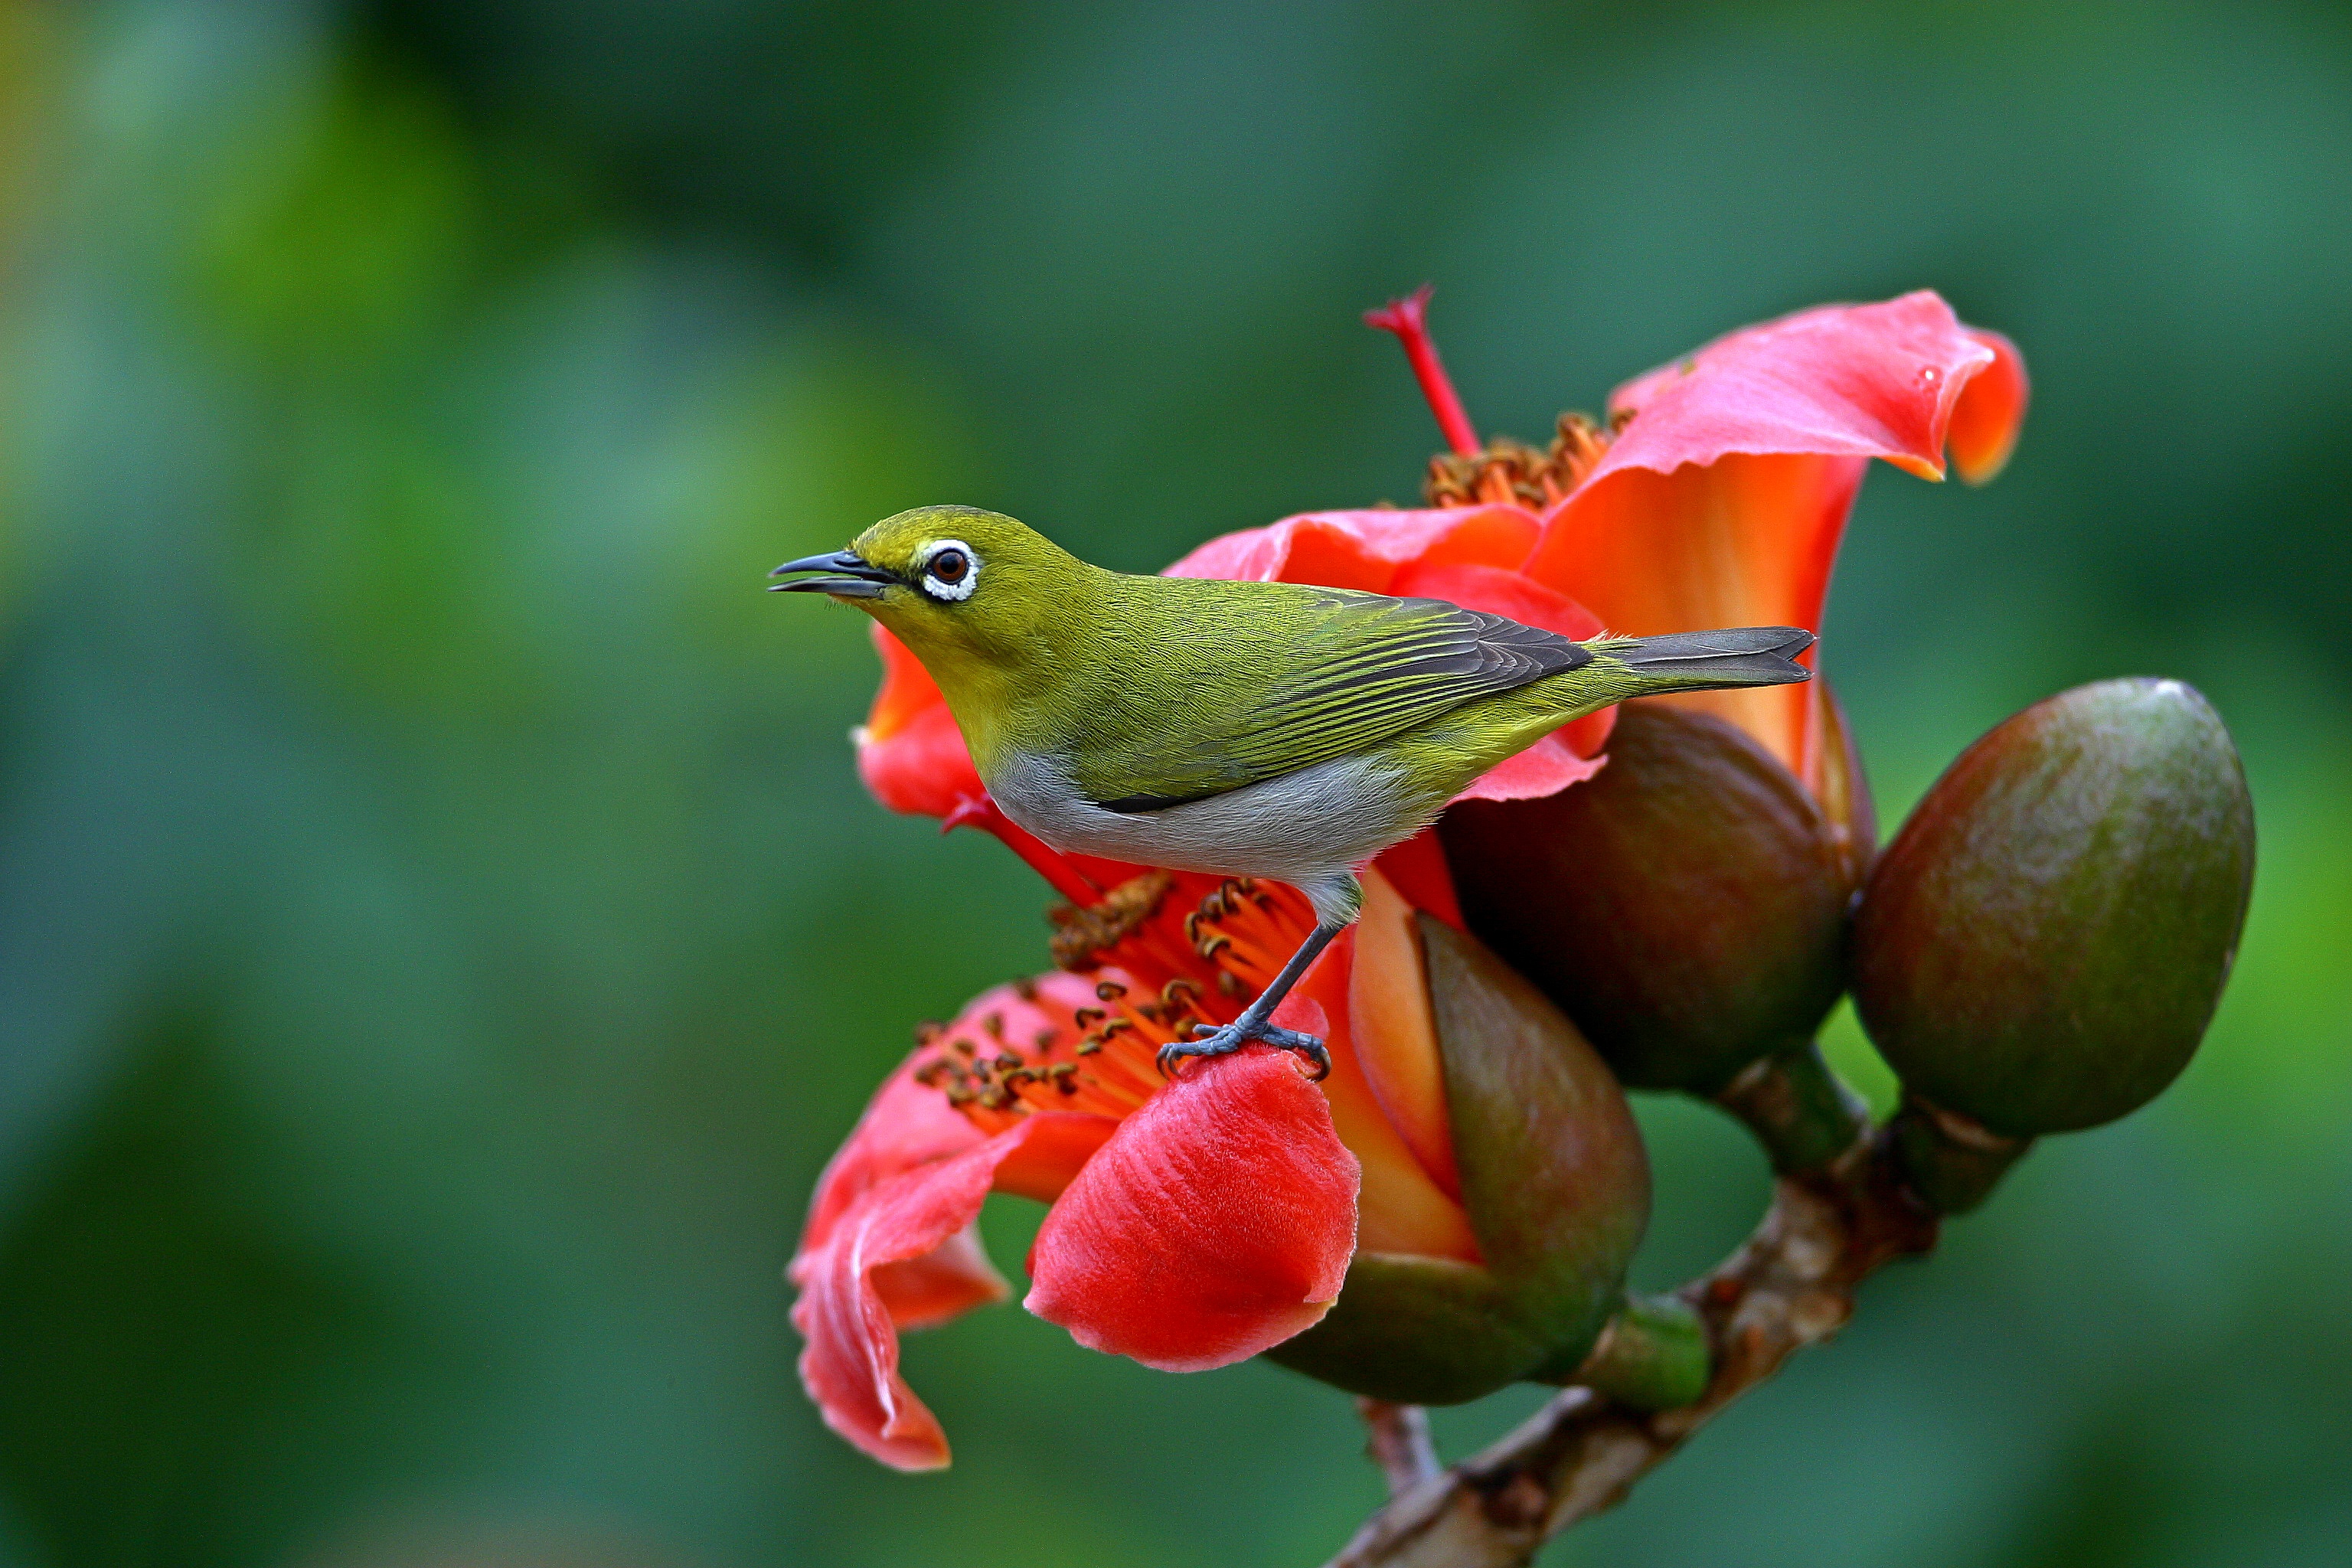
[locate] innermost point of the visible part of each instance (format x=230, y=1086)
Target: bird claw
x=1211, y=1040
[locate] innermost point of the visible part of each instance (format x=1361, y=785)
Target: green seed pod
x=1555, y=1185
x=1686, y=907
x=2043, y=945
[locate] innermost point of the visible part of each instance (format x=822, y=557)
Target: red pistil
x=1408, y=319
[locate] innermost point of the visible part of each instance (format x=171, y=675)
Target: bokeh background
x=441, y=935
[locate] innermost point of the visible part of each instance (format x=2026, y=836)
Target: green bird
x=1272, y=730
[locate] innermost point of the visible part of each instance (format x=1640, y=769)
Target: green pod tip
x=2043, y=943
x=1687, y=906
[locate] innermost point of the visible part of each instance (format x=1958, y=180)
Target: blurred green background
x=441, y=934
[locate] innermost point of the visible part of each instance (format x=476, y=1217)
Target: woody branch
x=1789, y=1285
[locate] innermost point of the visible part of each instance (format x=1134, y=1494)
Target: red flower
x=1195, y=1221
x=1199, y=1221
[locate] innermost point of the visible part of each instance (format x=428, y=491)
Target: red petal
x=1992, y=407
x=1217, y=1220
x=905, y=1125
x=908, y=1125
x=850, y=1364
x=910, y=751
x=1746, y=541
x=1722, y=502
x=1841, y=381
x=1364, y=549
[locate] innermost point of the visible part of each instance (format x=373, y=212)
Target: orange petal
x=1395, y=1036
x=1400, y=1209
x=1746, y=541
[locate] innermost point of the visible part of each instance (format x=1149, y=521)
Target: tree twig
x=1789, y=1285
x=1398, y=1441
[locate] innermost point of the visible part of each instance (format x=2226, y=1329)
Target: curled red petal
x=850, y=1363
x=910, y=754
x=1991, y=408
x=1218, y=1221
x=906, y=1124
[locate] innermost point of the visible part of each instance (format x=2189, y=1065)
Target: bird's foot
x=1209, y=1040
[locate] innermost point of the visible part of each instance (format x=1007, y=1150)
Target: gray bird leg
x=1209, y=1040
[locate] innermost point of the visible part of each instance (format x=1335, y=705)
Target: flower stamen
x=1153, y=974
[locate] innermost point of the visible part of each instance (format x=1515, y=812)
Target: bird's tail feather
x=1707, y=661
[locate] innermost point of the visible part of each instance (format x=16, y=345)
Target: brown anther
x=1087, y=1018
x=1179, y=992
x=1230, y=985
x=1513, y=472
x=994, y=1024
x=1213, y=945
x=1020, y=1076
x=1089, y=1047
x=1109, y=990
x=928, y=1031
x=984, y=1071
x=1044, y=1039
x=959, y=1096
x=1121, y=914
x=962, y=1047
x=1066, y=1085
x=1009, y=1059
x=1115, y=1025
x=1026, y=988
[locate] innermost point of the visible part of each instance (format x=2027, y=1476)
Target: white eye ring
x=958, y=588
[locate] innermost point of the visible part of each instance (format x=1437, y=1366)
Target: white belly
x=1308, y=828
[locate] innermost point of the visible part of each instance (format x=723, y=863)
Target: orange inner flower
x=1156, y=976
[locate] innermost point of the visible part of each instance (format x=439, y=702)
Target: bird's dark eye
x=950, y=566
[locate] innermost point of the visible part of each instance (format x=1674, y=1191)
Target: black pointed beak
x=850, y=577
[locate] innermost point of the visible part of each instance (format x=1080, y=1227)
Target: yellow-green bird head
x=957, y=585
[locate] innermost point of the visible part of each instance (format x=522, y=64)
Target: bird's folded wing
x=1327, y=673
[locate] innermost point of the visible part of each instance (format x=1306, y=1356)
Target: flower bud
x=1555, y=1185
x=1686, y=907
x=2043, y=944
